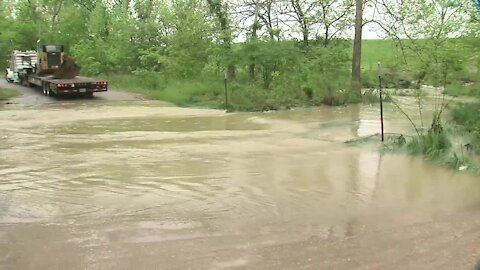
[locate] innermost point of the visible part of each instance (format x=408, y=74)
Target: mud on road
x=121, y=182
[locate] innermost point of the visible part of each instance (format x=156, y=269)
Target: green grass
x=438, y=148
x=458, y=89
x=395, y=73
x=243, y=95
x=8, y=93
x=432, y=145
x=455, y=147
x=379, y=50
x=202, y=93
x=463, y=77
x=467, y=116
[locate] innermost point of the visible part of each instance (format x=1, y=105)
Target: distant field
x=386, y=52
x=378, y=50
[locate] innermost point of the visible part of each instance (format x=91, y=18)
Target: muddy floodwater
x=97, y=184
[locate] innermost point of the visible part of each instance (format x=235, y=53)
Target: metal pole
x=226, y=92
x=381, y=99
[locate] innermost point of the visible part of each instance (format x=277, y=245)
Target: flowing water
x=142, y=185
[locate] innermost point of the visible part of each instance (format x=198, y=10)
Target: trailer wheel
x=50, y=93
x=44, y=88
x=89, y=94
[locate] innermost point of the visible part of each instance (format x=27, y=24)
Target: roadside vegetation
x=7, y=93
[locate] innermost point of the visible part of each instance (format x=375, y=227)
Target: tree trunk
x=251, y=68
x=327, y=36
x=357, y=49
x=231, y=70
x=305, y=38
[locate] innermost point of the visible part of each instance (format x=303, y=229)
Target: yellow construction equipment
x=53, y=61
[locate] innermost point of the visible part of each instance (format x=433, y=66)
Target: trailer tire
x=45, y=88
x=50, y=93
x=89, y=95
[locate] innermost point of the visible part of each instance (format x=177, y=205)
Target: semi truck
x=52, y=71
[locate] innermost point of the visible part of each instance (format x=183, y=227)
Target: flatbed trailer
x=61, y=87
x=22, y=70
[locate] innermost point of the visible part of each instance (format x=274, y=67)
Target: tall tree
x=303, y=14
x=254, y=38
x=357, y=48
x=334, y=16
x=425, y=29
x=219, y=9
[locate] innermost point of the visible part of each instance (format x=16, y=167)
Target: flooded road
x=135, y=184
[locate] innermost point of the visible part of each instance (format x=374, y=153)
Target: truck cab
x=9, y=75
x=20, y=64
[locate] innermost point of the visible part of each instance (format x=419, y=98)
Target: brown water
x=114, y=185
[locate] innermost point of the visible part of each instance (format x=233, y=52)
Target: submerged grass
x=431, y=145
x=456, y=147
x=438, y=148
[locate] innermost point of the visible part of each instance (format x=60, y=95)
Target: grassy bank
x=243, y=95
x=449, y=148
x=450, y=143
x=7, y=93
x=453, y=142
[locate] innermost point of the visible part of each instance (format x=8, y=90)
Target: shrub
x=432, y=144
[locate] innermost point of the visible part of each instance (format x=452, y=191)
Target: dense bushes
x=269, y=75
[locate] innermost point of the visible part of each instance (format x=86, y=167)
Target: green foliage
x=432, y=144
x=468, y=116
x=187, y=48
